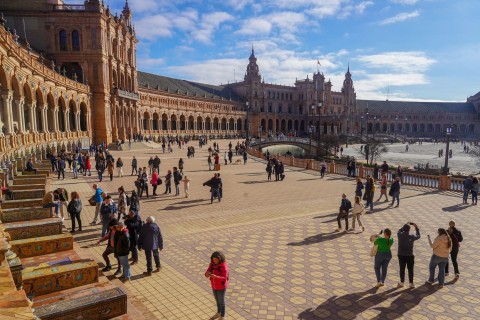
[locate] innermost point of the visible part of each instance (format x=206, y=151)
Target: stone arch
x=289, y=125
x=17, y=104
x=216, y=125
x=384, y=127
x=182, y=122
x=239, y=125
x=295, y=125
x=263, y=124
x=156, y=122
x=199, y=123
x=173, y=122
x=438, y=128
x=50, y=113
x=62, y=127
x=422, y=128
x=231, y=124
x=430, y=128
x=392, y=127
x=208, y=123
x=39, y=109
x=414, y=128
x=302, y=125
x=270, y=125
x=146, y=121
x=224, y=124
x=83, y=117
x=27, y=114
x=399, y=127
x=164, y=121
x=282, y=125
x=72, y=109
x=463, y=129
x=471, y=128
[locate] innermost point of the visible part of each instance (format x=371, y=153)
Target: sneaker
x=457, y=276
x=133, y=263
x=397, y=206
x=440, y=286
x=107, y=268
x=158, y=269
x=215, y=316
x=338, y=230
x=351, y=230
x=401, y=284
x=380, y=284
x=93, y=223
x=117, y=272
x=148, y=273
x=429, y=282
x=411, y=285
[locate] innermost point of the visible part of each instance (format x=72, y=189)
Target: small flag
x=318, y=62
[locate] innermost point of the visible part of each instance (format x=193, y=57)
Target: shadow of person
x=455, y=208
x=407, y=299
x=351, y=305
x=317, y=239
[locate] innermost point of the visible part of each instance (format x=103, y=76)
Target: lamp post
x=346, y=134
x=248, y=123
x=448, y=133
x=310, y=131
x=366, y=122
x=374, y=126
x=260, y=130
x=395, y=129
x=319, y=105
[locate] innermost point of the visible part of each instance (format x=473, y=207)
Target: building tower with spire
x=348, y=92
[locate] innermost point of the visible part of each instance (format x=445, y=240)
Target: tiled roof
x=414, y=106
x=186, y=87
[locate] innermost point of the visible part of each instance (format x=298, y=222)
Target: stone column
x=21, y=114
x=33, y=117
x=44, y=109
x=7, y=111
x=77, y=120
x=66, y=116
x=55, y=119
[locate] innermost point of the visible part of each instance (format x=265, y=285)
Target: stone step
x=35, y=228
x=95, y=302
x=69, y=255
x=24, y=214
x=13, y=204
x=42, y=245
x=27, y=194
x=39, y=172
x=15, y=305
x=30, y=176
x=53, y=277
x=26, y=187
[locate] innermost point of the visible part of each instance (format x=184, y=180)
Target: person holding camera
x=442, y=245
x=405, y=252
x=383, y=256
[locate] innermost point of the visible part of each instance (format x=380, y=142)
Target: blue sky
x=406, y=49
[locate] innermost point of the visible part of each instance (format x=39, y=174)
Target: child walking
x=186, y=186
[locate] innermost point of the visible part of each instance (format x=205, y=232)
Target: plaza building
x=69, y=77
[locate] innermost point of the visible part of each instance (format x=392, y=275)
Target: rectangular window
x=269, y=107
x=279, y=108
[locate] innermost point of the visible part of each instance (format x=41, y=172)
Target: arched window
x=75, y=40
x=63, y=40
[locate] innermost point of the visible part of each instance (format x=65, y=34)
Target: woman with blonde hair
x=442, y=245
x=357, y=212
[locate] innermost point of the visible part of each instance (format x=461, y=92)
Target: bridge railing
x=407, y=178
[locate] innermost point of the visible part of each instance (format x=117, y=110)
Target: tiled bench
x=12, y=204
x=42, y=245
x=45, y=278
x=28, y=194
x=26, y=187
x=93, y=302
x=35, y=228
x=25, y=214
x=27, y=180
x=39, y=172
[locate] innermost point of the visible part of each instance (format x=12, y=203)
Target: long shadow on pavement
x=361, y=301
x=317, y=239
x=455, y=208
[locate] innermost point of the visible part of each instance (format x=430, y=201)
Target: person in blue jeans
x=51, y=200
x=467, y=187
x=108, y=211
x=383, y=256
x=122, y=249
x=442, y=245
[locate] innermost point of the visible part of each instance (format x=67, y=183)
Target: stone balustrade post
x=444, y=182
x=332, y=167
x=10, y=166
x=361, y=171
x=19, y=162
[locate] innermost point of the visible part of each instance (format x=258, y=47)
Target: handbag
x=91, y=201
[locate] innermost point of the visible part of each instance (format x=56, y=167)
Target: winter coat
x=134, y=226
x=121, y=242
x=220, y=282
x=150, y=237
x=440, y=246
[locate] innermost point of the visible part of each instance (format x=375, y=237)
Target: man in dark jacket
x=345, y=207
x=395, y=192
x=456, y=237
x=151, y=240
x=134, y=224
x=405, y=252
x=108, y=211
x=121, y=241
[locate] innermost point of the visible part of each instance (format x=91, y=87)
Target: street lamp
x=260, y=130
x=374, y=126
x=248, y=123
x=449, y=132
x=310, y=131
x=319, y=105
x=395, y=129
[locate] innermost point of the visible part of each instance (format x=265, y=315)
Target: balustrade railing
x=407, y=178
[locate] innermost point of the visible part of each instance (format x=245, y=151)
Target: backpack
x=128, y=200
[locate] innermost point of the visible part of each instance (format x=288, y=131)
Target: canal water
x=284, y=149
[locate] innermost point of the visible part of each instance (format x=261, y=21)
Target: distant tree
x=474, y=152
x=372, y=150
x=328, y=145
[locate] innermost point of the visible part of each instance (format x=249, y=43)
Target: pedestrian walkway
x=286, y=261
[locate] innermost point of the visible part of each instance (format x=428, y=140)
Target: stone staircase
x=43, y=272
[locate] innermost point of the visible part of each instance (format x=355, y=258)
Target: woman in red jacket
x=88, y=166
x=218, y=273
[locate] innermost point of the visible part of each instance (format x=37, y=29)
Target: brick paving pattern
x=286, y=260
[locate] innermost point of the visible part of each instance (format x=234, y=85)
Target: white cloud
x=255, y=26
x=239, y=4
x=362, y=6
x=152, y=27
x=405, y=2
x=405, y=62
x=209, y=24
x=400, y=17
x=148, y=63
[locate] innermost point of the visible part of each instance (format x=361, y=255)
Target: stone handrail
x=408, y=178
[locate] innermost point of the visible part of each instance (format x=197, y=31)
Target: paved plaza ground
x=286, y=260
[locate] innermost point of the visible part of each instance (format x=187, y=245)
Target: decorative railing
x=127, y=94
x=408, y=178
